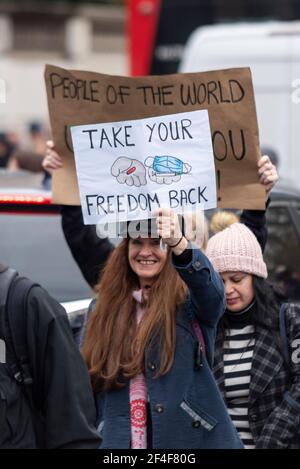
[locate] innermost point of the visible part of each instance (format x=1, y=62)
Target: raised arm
x=255, y=220
x=89, y=251
x=204, y=283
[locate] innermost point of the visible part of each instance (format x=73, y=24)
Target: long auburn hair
x=114, y=346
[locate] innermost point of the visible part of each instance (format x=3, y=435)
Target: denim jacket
x=187, y=410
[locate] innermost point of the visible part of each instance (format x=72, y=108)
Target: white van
x=272, y=51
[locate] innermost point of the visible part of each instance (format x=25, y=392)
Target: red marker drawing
x=131, y=170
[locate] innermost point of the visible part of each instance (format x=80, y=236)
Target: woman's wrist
x=181, y=246
x=173, y=245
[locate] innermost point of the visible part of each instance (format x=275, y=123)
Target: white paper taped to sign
x=126, y=170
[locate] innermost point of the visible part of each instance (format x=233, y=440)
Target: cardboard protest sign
x=80, y=98
x=126, y=170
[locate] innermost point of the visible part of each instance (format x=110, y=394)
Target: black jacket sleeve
x=255, y=220
x=89, y=251
x=61, y=384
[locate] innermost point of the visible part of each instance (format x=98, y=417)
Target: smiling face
x=146, y=259
x=238, y=289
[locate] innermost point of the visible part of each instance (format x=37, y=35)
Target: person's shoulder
x=40, y=302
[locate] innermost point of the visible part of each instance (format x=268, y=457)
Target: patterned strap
x=199, y=335
x=283, y=334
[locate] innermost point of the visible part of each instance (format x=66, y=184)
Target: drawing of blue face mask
x=167, y=165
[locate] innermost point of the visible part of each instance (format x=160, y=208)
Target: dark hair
x=268, y=299
x=266, y=314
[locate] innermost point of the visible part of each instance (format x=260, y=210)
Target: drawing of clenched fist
x=129, y=171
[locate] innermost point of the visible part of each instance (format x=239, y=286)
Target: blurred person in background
x=288, y=282
x=14, y=141
x=38, y=137
x=29, y=157
x=6, y=150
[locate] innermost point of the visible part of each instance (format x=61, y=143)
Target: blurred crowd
x=26, y=153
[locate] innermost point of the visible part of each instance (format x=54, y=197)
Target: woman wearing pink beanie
x=256, y=364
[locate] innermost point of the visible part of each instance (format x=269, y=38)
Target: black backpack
x=21, y=425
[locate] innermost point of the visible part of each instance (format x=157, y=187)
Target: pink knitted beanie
x=236, y=249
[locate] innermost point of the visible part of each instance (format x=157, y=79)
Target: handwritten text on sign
x=79, y=98
x=126, y=170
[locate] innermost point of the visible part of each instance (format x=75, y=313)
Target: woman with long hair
x=260, y=386
x=151, y=376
